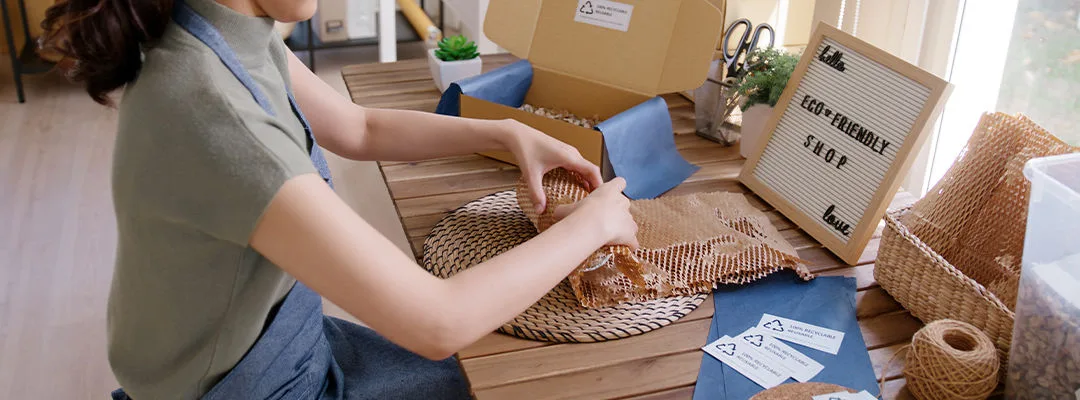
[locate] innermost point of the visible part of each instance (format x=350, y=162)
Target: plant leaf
x=457, y=47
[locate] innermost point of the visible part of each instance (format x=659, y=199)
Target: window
x=1013, y=56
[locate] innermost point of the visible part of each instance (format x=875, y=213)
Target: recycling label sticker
x=604, y=13
x=812, y=336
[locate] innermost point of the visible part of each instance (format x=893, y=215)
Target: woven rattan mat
x=494, y=224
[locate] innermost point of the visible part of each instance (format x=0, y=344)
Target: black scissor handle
x=757, y=36
x=730, y=59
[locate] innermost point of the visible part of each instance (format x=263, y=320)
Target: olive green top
x=196, y=163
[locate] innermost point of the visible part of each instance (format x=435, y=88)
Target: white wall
x=791, y=19
x=468, y=16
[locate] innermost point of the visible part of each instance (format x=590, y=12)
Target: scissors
x=747, y=44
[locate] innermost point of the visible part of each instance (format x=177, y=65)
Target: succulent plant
x=456, y=48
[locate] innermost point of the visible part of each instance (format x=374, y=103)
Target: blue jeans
x=306, y=355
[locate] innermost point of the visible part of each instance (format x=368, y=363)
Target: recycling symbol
x=754, y=339
x=586, y=8
x=726, y=348
x=775, y=325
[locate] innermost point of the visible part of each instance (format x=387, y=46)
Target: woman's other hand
x=538, y=153
x=608, y=210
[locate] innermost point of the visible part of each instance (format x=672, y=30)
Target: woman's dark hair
x=101, y=41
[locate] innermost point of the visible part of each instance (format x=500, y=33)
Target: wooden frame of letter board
x=864, y=229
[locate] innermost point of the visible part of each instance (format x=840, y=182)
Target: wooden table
x=662, y=364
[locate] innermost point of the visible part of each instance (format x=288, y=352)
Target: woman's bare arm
x=314, y=236
x=359, y=133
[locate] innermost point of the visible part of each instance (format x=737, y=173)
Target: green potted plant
x=768, y=73
x=453, y=59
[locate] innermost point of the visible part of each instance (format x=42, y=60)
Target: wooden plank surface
x=687, y=336
x=662, y=364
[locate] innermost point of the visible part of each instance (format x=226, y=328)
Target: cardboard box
x=598, y=57
x=330, y=21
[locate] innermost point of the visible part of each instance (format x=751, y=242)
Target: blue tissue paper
x=826, y=301
x=506, y=85
x=641, y=148
x=640, y=143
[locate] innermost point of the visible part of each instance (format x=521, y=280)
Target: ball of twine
x=949, y=360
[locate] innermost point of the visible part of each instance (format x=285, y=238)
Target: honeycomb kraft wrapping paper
x=688, y=245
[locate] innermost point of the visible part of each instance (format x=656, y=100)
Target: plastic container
x=1044, y=361
x=714, y=102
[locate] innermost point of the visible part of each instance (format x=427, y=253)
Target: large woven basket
x=931, y=288
x=956, y=253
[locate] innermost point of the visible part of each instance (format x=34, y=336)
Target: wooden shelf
x=31, y=62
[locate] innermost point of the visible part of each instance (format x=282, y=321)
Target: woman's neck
x=246, y=7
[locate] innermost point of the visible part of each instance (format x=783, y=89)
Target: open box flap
x=511, y=24
x=647, y=47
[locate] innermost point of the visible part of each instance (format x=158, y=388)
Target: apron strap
x=317, y=157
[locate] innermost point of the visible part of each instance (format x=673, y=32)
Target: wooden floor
x=57, y=231
x=56, y=242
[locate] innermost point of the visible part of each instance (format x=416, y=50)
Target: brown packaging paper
x=688, y=245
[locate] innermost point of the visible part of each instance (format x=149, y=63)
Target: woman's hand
x=608, y=210
x=537, y=153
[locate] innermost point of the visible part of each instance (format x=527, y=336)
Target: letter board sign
x=845, y=129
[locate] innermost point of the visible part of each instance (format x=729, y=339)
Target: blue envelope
x=639, y=142
x=826, y=301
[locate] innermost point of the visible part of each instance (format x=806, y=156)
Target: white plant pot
x=753, y=127
x=446, y=72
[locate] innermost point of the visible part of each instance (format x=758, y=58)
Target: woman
x=226, y=214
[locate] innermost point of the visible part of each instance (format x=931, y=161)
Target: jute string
x=949, y=360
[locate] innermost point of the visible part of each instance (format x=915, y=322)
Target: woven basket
x=931, y=288
x=956, y=253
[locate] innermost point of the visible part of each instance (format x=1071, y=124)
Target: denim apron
x=303, y=354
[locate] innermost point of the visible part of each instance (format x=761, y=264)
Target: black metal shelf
x=298, y=40
x=27, y=61
x=303, y=37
